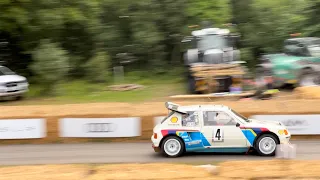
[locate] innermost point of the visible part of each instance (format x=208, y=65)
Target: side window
x=217, y=118
x=189, y=119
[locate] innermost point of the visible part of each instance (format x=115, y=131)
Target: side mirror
x=237, y=125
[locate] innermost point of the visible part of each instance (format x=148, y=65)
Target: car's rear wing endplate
x=174, y=107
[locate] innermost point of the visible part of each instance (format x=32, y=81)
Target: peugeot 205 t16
x=215, y=128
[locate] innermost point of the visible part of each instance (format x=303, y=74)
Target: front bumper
x=155, y=143
x=16, y=93
x=285, y=139
x=155, y=148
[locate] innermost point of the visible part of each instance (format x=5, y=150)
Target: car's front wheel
x=172, y=147
x=266, y=145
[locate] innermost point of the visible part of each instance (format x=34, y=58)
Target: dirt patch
x=125, y=87
x=308, y=92
x=242, y=170
x=103, y=172
x=154, y=108
x=271, y=169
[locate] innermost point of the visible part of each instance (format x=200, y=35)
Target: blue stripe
x=249, y=135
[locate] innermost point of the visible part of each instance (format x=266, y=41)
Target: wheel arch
x=172, y=135
x=266, y=132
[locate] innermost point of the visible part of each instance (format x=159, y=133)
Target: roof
x=304, y=39
x=184, y=109
x=208, y=31
x=197, y=107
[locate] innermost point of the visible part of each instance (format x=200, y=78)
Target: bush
x=97, y=68
x=50, y=64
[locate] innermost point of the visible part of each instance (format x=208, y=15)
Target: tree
x=97, y=68
x=313, y=21
x=217, y=11
x=50, y=64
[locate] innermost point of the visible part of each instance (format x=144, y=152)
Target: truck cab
x=211, y=48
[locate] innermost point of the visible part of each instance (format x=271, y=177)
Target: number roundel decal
x=217, y=134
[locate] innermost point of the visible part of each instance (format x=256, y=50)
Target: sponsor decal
x=194, y=142
x=295, y=122
x=173, y=124
x=174, y=119
x=100, y=127
x=16, y=129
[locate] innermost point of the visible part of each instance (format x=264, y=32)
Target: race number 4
x=217, y=134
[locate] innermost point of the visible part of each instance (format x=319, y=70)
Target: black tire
x=262, y=137
x=18, y=98
x=178, y=153
x=308, y=73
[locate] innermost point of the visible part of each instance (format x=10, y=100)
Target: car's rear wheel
x=266, y=145
x=172, y=147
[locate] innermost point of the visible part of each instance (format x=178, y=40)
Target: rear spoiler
x=174, y=107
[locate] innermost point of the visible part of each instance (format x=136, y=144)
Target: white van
x=11, y=84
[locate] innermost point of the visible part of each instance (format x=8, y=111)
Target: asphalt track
x=123, y=153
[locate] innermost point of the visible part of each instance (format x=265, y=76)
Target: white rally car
x=215, y=128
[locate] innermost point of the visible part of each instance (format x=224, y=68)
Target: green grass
x=81, y=91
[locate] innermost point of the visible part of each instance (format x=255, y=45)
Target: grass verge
x=80, y=91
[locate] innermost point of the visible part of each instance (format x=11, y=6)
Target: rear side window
x=217, y=118
x=172, y=112
x=189, y=120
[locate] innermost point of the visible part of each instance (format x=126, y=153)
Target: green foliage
x=148, y=31
x=217, y=11
x=274, y=22
x=50, y=63
x=97, y=68
x=313, y=21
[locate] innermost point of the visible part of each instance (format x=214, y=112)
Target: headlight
x=283, y=132
x=3, y=89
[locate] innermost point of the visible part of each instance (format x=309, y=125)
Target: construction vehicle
x=298, y=64
x=212, y=61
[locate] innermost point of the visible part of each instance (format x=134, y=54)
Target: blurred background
x=73, y=51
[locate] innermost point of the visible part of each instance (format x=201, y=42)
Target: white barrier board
x=296, y=124
x=100, y=127
x=22, y=128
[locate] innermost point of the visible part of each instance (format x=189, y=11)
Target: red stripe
x=179, y=130
x=164, y=132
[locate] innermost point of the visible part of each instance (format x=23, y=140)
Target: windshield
x=240, y=116
x=212, y=42
x=5, y=71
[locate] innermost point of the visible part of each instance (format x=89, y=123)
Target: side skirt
x=219, y=150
